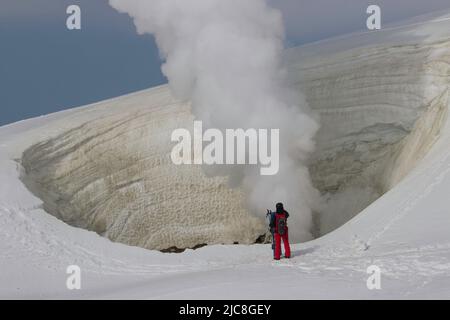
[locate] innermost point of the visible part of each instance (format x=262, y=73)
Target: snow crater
x=381, y=108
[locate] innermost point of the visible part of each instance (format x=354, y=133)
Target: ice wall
x=381, y=109
x=113, y=175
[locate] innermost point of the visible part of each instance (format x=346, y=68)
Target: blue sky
x=46, y=68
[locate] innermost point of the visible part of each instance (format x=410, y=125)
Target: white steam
x=225, y=57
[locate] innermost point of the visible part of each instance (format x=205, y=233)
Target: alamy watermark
x=374, y=280
x=73, y=21
x=374, y=20
x=73, y=281
x=236, y=146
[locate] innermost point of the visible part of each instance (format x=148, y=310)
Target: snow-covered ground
x=394, y=82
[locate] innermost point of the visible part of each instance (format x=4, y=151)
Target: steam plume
x=225, y=57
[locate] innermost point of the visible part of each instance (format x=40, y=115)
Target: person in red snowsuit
x=278, y=223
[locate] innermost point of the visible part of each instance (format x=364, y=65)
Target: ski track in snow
x=440, y=171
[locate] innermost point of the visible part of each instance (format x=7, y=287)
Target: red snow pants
x=287, y=248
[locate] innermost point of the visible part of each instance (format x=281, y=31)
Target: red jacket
x=274, y=220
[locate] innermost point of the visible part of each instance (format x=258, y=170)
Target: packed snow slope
x=383, y=102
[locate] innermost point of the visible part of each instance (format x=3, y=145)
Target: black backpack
x=281, y=225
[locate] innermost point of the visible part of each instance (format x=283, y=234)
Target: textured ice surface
x=381, y=108
x=113, y=175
